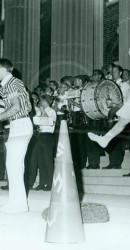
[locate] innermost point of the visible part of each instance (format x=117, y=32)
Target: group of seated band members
x=61, y=100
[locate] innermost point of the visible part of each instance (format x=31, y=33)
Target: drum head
x=108, y=95
x=88, y=101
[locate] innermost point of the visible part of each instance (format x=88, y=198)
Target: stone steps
x=104, y=172
x=107, y=189
x=102, y=181
x=106, y=181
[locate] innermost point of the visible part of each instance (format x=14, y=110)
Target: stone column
x=71, y=38
x=1, y=26
x=21, y=38
x=98, y=34
x=124, y=33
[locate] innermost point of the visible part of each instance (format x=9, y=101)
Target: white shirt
x=38, y=111
x=55, y=93
x=49, y=112
x=78, y=102
x=125, y=88
x=63, y=102
x=124, y=111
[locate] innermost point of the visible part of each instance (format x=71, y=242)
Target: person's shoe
x=126, y=175
x=108, y=167
x=3, y=179
x=95, y=167
x=116, y=167
x=92, y=167
x=46, y=188
x=38, y=188
x=112, y=167
x=88, y=167
x=5, y=188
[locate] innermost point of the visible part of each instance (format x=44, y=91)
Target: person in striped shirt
x=17, y=108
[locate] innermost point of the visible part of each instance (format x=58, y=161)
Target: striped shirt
x=13, y=87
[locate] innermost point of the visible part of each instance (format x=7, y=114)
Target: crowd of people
x=37, y=139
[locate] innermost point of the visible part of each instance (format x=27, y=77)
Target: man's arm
x=15, y=108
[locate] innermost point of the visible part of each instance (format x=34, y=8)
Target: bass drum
x=88, y=101
x=98, y=98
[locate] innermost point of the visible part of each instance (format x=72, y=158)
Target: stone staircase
x=107, y=181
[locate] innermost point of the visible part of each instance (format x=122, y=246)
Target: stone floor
x=26, y=231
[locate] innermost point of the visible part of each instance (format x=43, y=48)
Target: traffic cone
x=64, y=222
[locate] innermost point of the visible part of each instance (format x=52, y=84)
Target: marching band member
x=29, y=154
x=105, y=72
x=60, y=105
x=110, y=68
x=62, y=97
x=93, y=149
x=54, y=85
x=126, y=76
x=43, y=153
x=115, y=148
x=69, y=80
x=48, y=91
x=124, y=119
x=78, y=132
x=35, y=101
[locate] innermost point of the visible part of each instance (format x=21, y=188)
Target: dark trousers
x=116, y=148
x=79, y=153
x=43, y=159
x=116, y=152
x=93, y=150
x=30, y=173
x=78, y=147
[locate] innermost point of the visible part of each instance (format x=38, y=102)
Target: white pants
x=16, y=146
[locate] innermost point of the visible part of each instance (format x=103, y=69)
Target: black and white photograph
x=64, y=124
